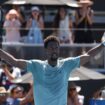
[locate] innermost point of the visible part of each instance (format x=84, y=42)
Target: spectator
x=20, y=13
x=84, y=22
x=15, y=93
x=8, y=73
x=16, y=96
x=22, y=18
x=97, y=95
x=97, y=98
x=16, y=72
x=63, y=26
x=74, y=98
x=12, y=26
x=3, y=95
x=35, y=24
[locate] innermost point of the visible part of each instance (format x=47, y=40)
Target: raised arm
x=91, y=53
x=13, y=61
x=27, y=98
x=7, y=72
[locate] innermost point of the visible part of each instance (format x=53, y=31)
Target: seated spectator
x=17, y=97
x=8, y=73
x=99, y=94
x=63, y=26
x=15, y=93
x=12, y=26
x=3, y=96
x=74, y=98
x=35, y=24
x=98, y=97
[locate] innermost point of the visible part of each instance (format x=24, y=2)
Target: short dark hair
x=49, y=39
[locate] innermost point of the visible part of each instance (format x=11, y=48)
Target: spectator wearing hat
x=3, y=95
x=35, y=25
x=12, y=26
x=84, y=22
x=74, y=98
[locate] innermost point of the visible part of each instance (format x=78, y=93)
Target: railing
x=36, y=51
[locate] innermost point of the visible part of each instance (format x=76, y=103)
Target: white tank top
x=64, y=32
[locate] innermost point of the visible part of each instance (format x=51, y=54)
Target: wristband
x=103, y=43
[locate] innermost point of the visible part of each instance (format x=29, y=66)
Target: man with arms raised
x=50, y=77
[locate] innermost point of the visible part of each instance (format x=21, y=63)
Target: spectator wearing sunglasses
x=17, y=97
x=15, y=93
x=3, y=95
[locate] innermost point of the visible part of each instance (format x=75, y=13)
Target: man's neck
x=52, y=63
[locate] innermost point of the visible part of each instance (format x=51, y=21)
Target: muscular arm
x=91, y=53
x=13, y=61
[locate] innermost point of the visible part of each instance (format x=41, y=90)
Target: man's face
x=52, y=51
x=18, y=93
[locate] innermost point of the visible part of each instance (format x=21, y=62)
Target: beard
x=54, y=57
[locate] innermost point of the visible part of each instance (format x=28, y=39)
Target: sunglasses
x=18, y=91
x=3, y=94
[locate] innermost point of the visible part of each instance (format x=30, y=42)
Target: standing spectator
x=74, y=98
x=22, y=18
x=20, y=12
x=35, y=25
x=12, y=26
x=84, y=23
x=63, y=26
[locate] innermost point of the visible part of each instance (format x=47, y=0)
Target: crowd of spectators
x=17, y=24
x=12, y=93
